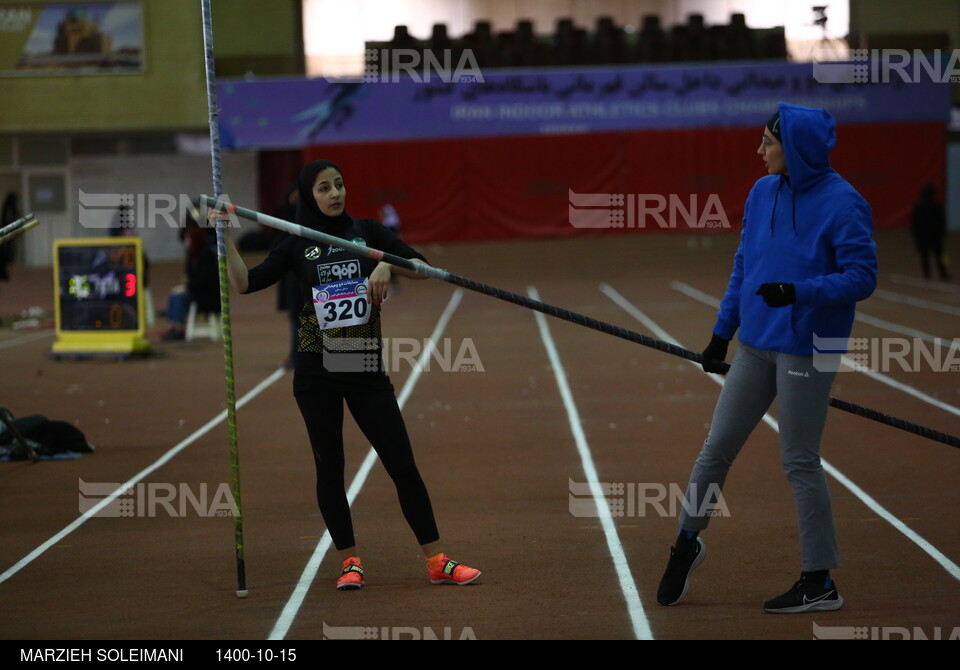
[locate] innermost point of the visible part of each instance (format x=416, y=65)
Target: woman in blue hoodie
x=806, y=257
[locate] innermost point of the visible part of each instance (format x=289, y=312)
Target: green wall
x=892, y=17
x=243, y=27
x=249, y=35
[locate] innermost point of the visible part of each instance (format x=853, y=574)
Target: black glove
x=778, y=295
x=714, y=354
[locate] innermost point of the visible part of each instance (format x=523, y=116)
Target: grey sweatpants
x=755, y=378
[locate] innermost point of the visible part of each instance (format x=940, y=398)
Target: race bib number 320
x=342, y=303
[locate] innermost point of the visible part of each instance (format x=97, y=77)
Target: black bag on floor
x=48, y=438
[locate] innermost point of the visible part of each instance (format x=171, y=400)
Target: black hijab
x=308, y=212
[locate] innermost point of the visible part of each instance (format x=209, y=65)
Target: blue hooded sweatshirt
x=809, y=228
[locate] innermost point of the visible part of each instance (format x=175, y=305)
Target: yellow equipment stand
x=99, y=297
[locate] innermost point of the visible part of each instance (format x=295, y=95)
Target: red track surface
x=497, y=452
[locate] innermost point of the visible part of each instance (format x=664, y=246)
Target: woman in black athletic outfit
x=339, y=359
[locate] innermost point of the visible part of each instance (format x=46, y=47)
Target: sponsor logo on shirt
x=328, y=272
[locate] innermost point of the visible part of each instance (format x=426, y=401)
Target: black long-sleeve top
x=315, y=264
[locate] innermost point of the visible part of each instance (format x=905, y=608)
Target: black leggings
x=374, y=407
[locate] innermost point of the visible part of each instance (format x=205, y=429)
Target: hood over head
x=808, y=136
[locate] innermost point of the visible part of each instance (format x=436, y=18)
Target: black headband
x=774, y=125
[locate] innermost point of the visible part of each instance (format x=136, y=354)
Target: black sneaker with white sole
x=806, y=596
x=676, y=579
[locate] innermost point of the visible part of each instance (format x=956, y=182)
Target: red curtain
x=278, y=171
x=495, y=188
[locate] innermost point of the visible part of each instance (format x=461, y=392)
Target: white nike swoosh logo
x=807, y=601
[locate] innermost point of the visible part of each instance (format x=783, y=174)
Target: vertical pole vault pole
x=214, y=113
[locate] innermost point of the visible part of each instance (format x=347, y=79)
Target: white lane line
x=952, y=568
x=850, y=363
x=916, y=302
x=127, y=485
x=925, y=283
x=27, y=338
x=903, y=330
x=641, y=627
x=696, y=294
x=295, y=601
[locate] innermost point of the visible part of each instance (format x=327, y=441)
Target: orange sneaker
x=352, y=576
x=445, y=571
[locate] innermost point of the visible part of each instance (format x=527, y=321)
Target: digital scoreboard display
x=99, y=288
x=99, y=301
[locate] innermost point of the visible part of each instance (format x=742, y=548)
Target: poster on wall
x=77, y=38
